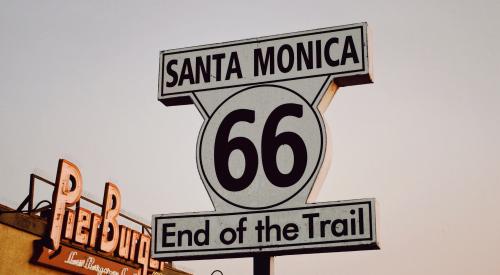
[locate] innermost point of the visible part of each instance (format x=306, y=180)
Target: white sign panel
x=262, y=150
x=257, y=152
x=322, y=227
x=337, y=51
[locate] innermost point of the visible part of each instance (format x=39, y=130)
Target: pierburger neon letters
x=98, y=231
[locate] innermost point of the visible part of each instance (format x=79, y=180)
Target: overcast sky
x=78, y=80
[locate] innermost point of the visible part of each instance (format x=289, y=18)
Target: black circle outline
x=318, y=119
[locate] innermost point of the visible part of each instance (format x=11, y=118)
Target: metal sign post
x=262, y=151
x=263, y=265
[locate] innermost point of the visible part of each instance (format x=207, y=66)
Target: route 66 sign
x=262, y=150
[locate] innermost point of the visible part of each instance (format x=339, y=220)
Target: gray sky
x=78, y=80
